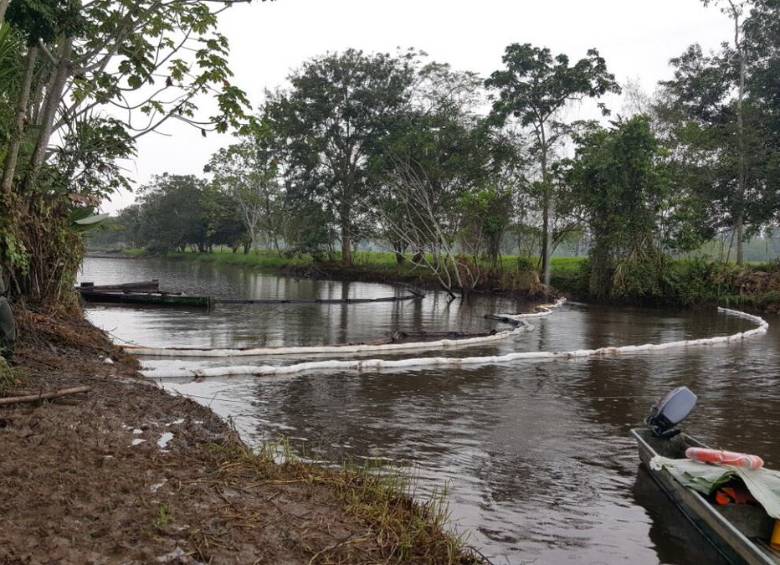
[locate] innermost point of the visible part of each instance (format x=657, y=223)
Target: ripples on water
x=537, y=456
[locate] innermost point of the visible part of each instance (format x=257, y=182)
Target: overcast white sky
x=637, y=39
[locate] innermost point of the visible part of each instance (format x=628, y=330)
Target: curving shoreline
x=129, y=473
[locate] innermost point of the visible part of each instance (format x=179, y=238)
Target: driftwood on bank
x=43, y=395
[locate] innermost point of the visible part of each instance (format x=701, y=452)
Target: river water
x=536, y=456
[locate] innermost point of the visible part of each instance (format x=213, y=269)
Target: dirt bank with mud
x=128, y=473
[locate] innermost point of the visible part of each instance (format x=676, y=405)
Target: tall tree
x=762, y=40
x=173, y=213
x=533, y=88
x=150, y=60
x=249, y=171
x=339, y=106
x=735, y=10
x=717, y=114
x=619, y=177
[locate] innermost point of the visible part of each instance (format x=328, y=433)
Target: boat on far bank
x=148, y=298
x=141, y=292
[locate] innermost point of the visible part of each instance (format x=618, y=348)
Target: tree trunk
x=600, y=283
x=346, y=240
x=53, y=99
x=398, y=248
x=9, y=170
x=3, y=8
x=740, y=224
x=35, y=98
x=739, y=229
x=252, y=238
x=546, y=197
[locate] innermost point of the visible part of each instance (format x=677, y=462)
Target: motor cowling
x=670, y=411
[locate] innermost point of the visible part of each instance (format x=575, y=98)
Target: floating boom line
x=516, y=320
x=338, y=349
x=458, y=362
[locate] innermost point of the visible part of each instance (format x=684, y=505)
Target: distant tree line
x=448, y=166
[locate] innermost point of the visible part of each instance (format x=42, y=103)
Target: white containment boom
x=456, y=362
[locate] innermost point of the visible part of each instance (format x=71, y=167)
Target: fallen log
x=43, y=396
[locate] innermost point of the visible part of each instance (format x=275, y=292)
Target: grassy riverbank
x=516, y=276
x=129, y=473
x=681, y=283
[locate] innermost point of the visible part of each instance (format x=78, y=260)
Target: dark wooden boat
x=740, y=532
x=139, y=286
x=148, y=298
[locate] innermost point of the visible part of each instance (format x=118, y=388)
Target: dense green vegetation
x=446, y=170
x=685, y=283
x=80, y=82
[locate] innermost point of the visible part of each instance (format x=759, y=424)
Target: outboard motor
x=670, y=411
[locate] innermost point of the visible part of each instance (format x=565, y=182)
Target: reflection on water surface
x=537, y=455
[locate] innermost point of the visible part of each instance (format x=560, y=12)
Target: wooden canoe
x=140, y=286
x=148, y=298
x=739, y=532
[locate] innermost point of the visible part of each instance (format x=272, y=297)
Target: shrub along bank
x=689, y=282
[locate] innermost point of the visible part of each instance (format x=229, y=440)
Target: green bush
x=639, y=280
x=525, y=265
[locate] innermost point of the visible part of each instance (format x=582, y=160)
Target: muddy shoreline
x=129, y=473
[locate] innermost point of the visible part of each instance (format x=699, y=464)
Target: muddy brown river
x=535, y=455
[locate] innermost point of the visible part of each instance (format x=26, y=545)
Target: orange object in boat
x=776, y=536
x=720, y=457
x=731, y=495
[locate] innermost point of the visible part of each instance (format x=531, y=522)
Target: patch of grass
x=261, y=259
x=769, y=301
x=164, y=517
x=564, y=265
x=10, y=377
x=404, y=529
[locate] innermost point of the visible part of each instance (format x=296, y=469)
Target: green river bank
x=678, y=283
